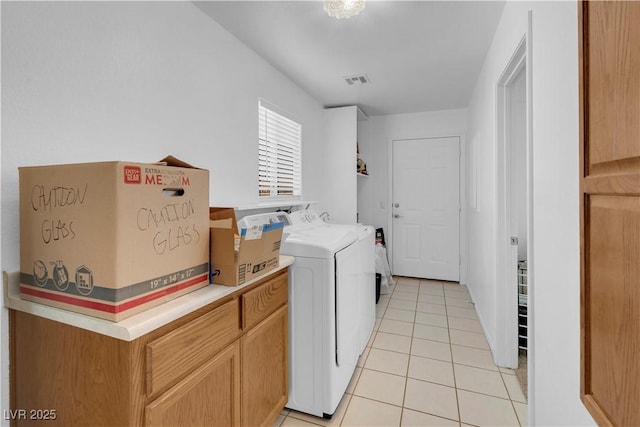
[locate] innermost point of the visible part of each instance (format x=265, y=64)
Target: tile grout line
x=403, y=407
x=502, y=378
x=455, y=383
x=406, y=379
x=410, y=355
x=455, y=386
x=510, y=399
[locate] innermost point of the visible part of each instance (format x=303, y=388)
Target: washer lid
x=322, y=242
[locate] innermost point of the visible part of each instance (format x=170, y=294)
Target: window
x=279, y=164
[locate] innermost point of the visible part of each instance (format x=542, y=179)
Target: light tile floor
x=427, y=364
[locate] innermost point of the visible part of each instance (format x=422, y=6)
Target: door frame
x=506, y=289
x=462, y=229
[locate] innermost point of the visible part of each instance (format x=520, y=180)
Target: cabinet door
x=67, y=375
x=209, y=396
x=264, y=370
x=610, y=182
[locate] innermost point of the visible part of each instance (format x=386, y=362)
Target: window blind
x=279, y=154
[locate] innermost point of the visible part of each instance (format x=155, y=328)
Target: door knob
x=396, y=216
x=397, y=205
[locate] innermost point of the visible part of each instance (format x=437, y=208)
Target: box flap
x=224, y=213
x=173, y=161
x=226, y=223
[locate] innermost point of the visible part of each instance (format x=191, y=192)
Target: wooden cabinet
x=610, y=210
x=223, y=364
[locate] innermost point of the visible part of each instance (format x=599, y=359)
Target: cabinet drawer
x=181, y=351
x=260, y=302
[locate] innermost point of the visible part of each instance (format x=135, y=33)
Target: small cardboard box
x=238, y=256
x=111, y=239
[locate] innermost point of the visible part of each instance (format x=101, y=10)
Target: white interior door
x=426, y=208
x=512, y=202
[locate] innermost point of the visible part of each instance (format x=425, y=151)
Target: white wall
x=92, y=81
x=340, y=181
x=383, y=130
x=555, y=295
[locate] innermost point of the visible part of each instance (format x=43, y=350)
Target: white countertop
x=132, y=327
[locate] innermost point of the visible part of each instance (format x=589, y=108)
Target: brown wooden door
x=210, y=396
x=265, y=381
x=610, y=210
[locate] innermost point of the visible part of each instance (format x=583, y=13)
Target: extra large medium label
x=154, y=175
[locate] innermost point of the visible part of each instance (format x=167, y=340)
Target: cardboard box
x=238, y=256
x=111, y=239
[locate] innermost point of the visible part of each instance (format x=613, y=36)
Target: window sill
x=275, y=204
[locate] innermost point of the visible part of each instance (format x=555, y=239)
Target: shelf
x=362, y=175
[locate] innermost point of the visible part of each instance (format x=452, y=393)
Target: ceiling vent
x=357, y=80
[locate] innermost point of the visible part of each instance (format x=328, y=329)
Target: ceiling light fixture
x=343, y=8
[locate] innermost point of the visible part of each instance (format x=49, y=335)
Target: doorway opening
x=513, y=217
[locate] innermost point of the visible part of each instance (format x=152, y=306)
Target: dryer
x=367, y=278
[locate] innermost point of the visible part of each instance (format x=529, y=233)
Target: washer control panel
x=264, y=218
x=306, y=218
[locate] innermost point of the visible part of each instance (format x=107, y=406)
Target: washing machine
x=329, y=310
x=335, y=283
